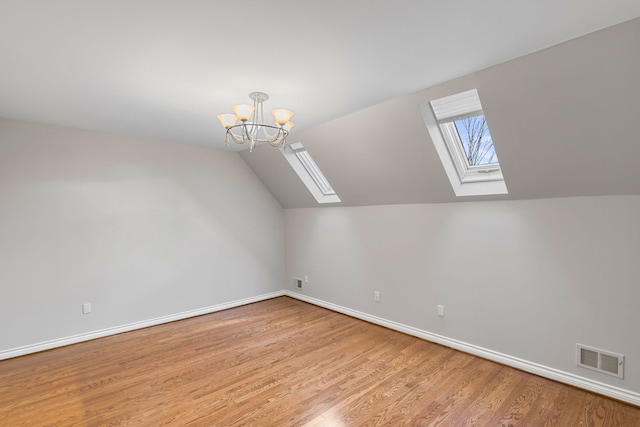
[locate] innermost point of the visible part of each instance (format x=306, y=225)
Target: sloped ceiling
x=563, y=121
x=353, y=72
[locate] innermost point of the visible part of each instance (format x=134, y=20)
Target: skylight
x=308, y=171
x=461, y=136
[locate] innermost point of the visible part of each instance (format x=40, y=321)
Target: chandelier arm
x=257, y=118
x=280, y=133
x=270, y=137
x=246, y=131
x=279, y=142
x=236, y=138
x=253, y=136
x=254, y=130
x=247, y=135
x=266, y=135
x=277, y=137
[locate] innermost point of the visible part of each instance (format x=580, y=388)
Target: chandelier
x=247, y=123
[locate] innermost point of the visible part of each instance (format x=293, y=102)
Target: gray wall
x=140, y=229
x=528, y=279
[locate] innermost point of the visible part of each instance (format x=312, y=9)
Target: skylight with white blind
x=308, y=171
x=461, y=136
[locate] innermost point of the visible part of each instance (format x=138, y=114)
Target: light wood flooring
x=283, y=362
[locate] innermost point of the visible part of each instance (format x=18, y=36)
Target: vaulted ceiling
x=562, y=121
x=559, y=94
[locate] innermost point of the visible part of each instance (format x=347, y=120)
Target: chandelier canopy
x=246, y=123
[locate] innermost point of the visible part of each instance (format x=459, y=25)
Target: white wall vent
x=297, y=283
x=600, y=360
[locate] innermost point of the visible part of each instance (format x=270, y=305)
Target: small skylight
x=308, y=171
x=461, y=136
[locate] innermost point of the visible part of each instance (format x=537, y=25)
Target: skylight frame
x=439, y=116
x=316, y=174
x=309, y=173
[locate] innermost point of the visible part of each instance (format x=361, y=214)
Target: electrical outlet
x=306, y=279
x=376, y=296
x=441, y=310
x=86, y=308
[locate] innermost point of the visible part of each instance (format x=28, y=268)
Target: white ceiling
x=163, y=69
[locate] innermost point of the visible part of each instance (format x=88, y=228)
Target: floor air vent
x=600, y=360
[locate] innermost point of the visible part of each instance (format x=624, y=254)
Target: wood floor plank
x=282, y=362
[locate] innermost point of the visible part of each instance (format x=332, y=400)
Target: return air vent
x=600, y=360
x=297, y=283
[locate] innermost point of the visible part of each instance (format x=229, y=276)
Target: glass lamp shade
x=243, y=111
x=282, y=116
x=287, y=126
x=227, y=119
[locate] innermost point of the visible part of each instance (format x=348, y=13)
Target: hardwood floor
x=283, y=362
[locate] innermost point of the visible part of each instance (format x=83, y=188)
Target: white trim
x=534, y=368
x=524, y=365
x=74, y=339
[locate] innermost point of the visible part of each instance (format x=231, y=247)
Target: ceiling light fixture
x=252, y=127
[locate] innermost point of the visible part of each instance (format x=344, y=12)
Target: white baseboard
x=524, y=365
x=48, y=345
x=534, y=368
